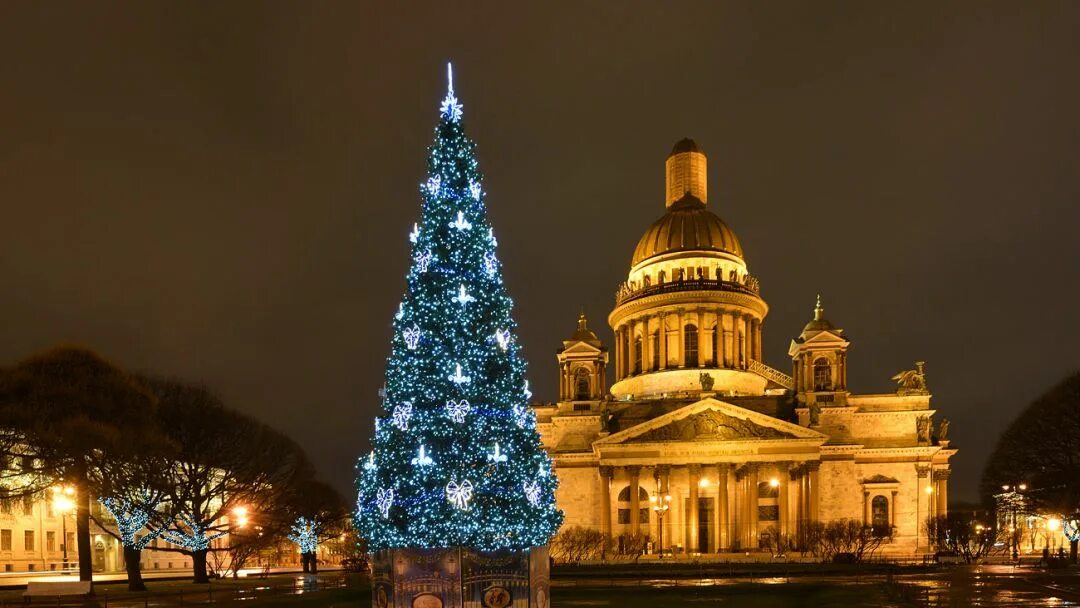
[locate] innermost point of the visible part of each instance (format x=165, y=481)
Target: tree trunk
x=132, y=557
x=313, y=567
x=198, y=564
x=304, y=562
x=82, y=529
x=1072, y=550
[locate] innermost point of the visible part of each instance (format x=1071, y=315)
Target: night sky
x=223, y=191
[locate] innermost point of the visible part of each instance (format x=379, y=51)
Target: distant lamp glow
x=774, y=483
x=240, y=516
x=704, y=483
x=1053, y=524
x=929, y=490
x=1022, y=487
x=63, y=504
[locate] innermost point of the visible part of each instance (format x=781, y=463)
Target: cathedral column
x=618, y=354
x=866, y=507
x=723, y=512
x=646, y=344
x=754, y=478
x=815, y=490
x=663, y=477
x=892, y=510
x=635, y=500
x=695, y=479
x=783, y=495
x=721, y=335
x=605, y=503
x=941, y=479
x=702, y=353
x=756, y=324
x=841, y=381
x=682, y=339
x=631, y=349
x=736, y=337
x=661, y=333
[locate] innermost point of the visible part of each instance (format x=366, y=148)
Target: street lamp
x=63, y=504
x=1014, y=499
x=660, y=505
x=240, y=516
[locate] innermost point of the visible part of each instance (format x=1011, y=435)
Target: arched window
x=822, y=375
x=581, y=384
x=690, y=345
x=879, y=514
x=654, y=347
x=637, y=355
x=643, y=506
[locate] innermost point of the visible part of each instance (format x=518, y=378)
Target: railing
x=633, y=291
x=769, y=373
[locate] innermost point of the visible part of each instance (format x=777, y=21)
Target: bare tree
x=225, y=462
x=575, y=544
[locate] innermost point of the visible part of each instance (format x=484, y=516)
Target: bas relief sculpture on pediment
x=711, y=426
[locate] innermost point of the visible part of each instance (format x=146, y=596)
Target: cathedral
x=702, y=448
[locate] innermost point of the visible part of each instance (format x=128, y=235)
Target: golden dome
x=687, y=226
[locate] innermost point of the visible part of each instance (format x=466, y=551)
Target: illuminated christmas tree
x=457, y=460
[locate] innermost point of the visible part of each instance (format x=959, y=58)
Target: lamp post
x=660, y=504
x=63, y=504
x=1014, y=499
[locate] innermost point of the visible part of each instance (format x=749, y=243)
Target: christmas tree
x=457, y=460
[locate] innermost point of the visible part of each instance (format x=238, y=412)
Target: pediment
x=879, y=478
x=712, y=420
x=581, y=348
x=825, y=335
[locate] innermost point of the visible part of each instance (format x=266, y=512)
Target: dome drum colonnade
x=673, y=320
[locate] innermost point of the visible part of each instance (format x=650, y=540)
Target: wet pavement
x=959, y=586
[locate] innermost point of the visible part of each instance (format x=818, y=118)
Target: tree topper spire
x=818, y=310
x=450, y=107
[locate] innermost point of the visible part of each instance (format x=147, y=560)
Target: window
x=766, y=490
x=768, y=513
x=637, y=355
x=28, y=540
x=49, y=512
x=690, y=345
x=28, y=505
x=643, y=506
x=581, y=384
x=879, y=514
x=50, y=541
x=70, y=540
x=5, y=540
x=5, y=502
x=822, y=375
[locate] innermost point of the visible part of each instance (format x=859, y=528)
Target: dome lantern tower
x=686, y=172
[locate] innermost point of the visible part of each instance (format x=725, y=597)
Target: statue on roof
x=912, y=381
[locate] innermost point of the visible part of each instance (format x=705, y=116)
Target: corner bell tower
x=819, y=362
x=582, y=366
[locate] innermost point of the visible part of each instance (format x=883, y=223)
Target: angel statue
x=912, y=381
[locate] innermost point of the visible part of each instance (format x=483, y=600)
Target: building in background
x=739, y=452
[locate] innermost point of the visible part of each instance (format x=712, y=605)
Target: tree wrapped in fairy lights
x=457, y=460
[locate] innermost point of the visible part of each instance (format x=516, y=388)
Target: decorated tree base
x=460, y=578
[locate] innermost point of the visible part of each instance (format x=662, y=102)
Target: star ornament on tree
x=459, y=495
x=457, y=410
x=402, y=414
x=502, y=337
x=450, y=107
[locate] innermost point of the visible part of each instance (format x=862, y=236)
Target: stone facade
x=737, y=450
